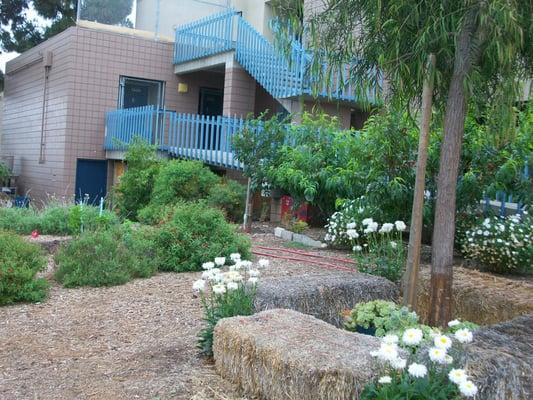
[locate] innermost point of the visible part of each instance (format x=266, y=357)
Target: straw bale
x=500, y=360
x=323, y=295
x=283, y=354
x=481, y=297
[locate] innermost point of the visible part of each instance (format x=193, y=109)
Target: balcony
x=188, y=136
x=282, y=75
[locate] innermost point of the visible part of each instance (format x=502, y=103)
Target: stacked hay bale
x=481, y=297
x=283, y=354
x=324, y=295
x=500, y=360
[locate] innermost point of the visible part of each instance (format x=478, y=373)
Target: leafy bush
x=19, y=262
x=502, y=245
x=106, y=258
x=196, y=232
x=380, y=315
x=225, y=294
x=182, y=180
x=135, y=187
x=4, y=173
x=55, y=219
x=229, y=196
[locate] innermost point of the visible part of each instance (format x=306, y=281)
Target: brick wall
x=83, y=85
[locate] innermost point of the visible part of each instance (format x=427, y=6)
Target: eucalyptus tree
x=483, y=49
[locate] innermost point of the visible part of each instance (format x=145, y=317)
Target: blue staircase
x=280, y=74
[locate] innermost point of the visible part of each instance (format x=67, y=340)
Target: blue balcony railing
x=282, y=75
x=195, y=137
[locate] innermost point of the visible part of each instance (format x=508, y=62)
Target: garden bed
x=132, y=341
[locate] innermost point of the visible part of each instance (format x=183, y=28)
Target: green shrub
x=106, y=258
x=19, y=220
x=4, y=173
x=182, y=180
x=194, y=233
x=135, y=187
x=55, y=219
x=230, y=197
x=154, y=214
x=19, y=262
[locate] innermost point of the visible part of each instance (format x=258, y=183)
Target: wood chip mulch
x=135, y=341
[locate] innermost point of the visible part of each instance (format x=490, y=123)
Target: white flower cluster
x=238, y=273
x=501, y=243
x=390, y=353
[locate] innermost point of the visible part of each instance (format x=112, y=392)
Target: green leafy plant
x=502, y=245
x=225, y=294
x=299, y=226
x=56, y=219
x=193, y=233
x=19, y=263
x=135, y=187
x=230, y=197
x=381, y=316
x=382, y=251
x=5, y=173
x=182, y=180
x=107, y=258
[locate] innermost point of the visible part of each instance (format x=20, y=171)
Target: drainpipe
x=157, y=15
x=47, y=59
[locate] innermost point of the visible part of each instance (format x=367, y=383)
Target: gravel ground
x=135, y=341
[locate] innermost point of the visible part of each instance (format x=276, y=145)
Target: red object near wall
x=286, y=208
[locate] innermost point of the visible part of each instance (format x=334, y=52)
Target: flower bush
x=503, y=245
x=349, y=216
x=419, y=366
x=19, y=263
x=226, y=291
x=379, y=250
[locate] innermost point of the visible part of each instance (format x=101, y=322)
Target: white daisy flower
x=220, y=261
x=464, y=335
x=385, y=379
x=253, y=280
x=367, y=221
x=235, y=257
x=468, y=389
x=398, y=363
x=457, y=376
x=199, y=285
x=412, y=336
x=388, y=351
x=400, y=226
x=442, y=342
x=437, y=355
x=219, y=289
x=264, y=263
x=390, y=338
x=232, y=286
x=208, y=265
x=453, y=323
x=417, y=370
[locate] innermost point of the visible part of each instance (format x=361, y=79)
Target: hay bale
x=324, y=295
x=283, y=354
x=480, y=297
x=500, y=360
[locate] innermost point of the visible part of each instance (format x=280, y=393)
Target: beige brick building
x=58, y=93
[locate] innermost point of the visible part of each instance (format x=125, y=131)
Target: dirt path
x=135, y=341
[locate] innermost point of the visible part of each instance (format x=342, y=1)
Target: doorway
x=91, y=180
x=211, y=103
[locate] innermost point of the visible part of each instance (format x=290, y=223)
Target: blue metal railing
x=190, y=136
x=282, y=75
x=206, y=37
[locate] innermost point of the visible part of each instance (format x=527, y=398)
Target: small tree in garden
x=483, y=49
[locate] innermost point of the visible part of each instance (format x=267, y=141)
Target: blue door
x=91, y=180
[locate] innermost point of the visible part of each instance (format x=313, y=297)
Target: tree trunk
x=466, y=54
x=410, y=280
x=247, y=220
